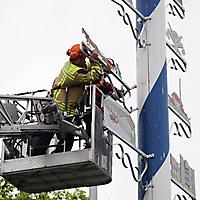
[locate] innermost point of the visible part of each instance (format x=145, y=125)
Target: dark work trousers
x=41, y=143
x=68, y=139
x=88, y=119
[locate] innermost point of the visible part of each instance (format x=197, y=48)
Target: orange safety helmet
x=74, y=51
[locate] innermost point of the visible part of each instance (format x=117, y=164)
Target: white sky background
x=35, y=34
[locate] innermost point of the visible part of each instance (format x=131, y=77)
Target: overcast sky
x=35, y=34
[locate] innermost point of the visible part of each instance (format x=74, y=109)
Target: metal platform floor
x=56, y=171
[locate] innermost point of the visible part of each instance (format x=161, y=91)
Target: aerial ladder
x=23, y=117
x=20, y=127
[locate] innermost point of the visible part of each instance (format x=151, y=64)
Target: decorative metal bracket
x=176, y=64
x=176, y=107
x=136, y=173
x=139, y=14
x=127, y=21
x=175, y=47
x=180, y=170
x=177, y=8
x=123, y=93
x=180, y=197
x=180, y=128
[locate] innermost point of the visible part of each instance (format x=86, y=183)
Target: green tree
x=9, y=192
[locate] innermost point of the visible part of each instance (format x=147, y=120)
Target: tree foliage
x=9, y=192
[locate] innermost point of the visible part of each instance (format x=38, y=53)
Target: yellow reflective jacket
x=73, y=78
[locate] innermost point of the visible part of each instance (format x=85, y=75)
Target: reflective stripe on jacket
x=71, y=77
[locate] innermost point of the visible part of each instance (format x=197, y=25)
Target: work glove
x=107, y=69
x=97, y=69
x=96, y=73
x=94, y=57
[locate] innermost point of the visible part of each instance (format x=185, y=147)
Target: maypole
x=152, y=97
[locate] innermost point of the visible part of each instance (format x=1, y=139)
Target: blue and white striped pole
x=153, y=130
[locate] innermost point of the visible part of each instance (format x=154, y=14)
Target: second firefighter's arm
x=84, y=76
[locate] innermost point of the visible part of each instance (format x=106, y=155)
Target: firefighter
x=68, y=87
x=105, y=88
x=68, y=90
